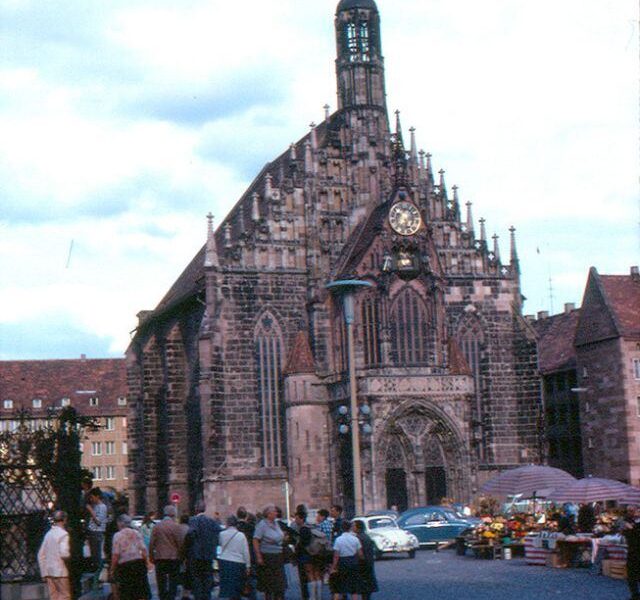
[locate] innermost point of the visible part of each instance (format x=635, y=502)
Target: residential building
x=95, y=387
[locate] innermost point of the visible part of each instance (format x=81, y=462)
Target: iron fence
x=25, y=498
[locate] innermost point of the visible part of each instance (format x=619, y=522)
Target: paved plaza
x=445, y=576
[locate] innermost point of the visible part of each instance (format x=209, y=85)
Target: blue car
x=434, y=524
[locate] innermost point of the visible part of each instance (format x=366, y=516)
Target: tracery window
x=411, y=324
x=371, y=330
x=358, y=41
x=471, y=340
x=269, y=359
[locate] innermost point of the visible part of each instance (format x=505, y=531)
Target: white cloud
x=125, y=122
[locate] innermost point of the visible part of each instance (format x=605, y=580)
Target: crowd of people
x=251, y=553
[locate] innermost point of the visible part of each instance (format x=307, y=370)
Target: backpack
x=319, y=544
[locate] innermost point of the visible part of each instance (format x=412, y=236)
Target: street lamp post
x=347, y=288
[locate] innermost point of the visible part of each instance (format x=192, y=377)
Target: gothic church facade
x=236, y=379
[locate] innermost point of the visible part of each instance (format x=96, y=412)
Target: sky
x=123, y=123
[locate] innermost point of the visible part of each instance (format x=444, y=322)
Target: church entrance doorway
x=396, y=480
x=436, y=484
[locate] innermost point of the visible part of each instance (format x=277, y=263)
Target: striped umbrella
x=529, y=481
x=631, y=496
x=592, y=489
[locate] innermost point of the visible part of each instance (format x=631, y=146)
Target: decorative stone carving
x=417, y=386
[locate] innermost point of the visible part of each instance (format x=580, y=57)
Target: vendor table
x=575, y=552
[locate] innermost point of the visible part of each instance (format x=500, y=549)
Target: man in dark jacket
x=632, y=534
x=200, y=550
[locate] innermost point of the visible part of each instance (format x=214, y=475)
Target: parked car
x=383, y=513
x=388, y=537
x=434, y=524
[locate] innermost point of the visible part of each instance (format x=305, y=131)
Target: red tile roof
x=555, y=337
x=22, y=381
x=300, y=359
x=622, y=294
x=458, y=364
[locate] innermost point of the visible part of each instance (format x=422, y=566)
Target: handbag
x=247, y=589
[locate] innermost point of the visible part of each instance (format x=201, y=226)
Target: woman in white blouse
x=347, y=552
x=234, y=561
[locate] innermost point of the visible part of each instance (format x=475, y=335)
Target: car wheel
x=377, y=554
x=412, y=553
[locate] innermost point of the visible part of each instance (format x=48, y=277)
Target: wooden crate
x=616, y=569
x=554, y=560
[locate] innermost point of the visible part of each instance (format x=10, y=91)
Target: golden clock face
x=404, y=218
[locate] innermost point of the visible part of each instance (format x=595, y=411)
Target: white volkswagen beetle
x=388, y=537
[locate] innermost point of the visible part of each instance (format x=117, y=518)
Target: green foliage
x=53, y=453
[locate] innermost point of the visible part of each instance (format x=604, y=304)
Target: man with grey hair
x=52, y=557
x=165, y=551
x=201, y=545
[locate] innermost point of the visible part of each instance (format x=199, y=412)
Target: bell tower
x=360, y=65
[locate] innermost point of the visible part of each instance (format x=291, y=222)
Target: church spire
x=515, y=262
x=469, y=217
x=211, y=252
x=359, y=65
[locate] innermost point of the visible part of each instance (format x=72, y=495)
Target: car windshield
x=380, y=522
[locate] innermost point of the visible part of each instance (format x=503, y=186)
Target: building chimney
x=568, y=307
x=530, y=318
x=635, y=273
x=543, y=314
x=83, y=357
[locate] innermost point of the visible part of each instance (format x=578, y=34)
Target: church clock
x=404, y=218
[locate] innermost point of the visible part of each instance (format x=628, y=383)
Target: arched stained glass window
x=371, y=330
x=471, y=340
x=269, y=359
x=411, y=323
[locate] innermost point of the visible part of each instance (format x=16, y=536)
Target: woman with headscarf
x=234, y=561
x=129, y=562
x=368, y=583
x=268, y=543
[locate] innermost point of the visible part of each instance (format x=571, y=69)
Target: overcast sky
x=123, y=123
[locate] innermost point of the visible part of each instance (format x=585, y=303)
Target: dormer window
x=122, y=401
x=93, y=401
x=65, y=402
x=7, y=404
x=36, y=403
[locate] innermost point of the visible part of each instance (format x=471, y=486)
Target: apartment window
x=65, y=402
x=8, y=404
x=110, y=472
x=93, y=401
x=638, y=405
x=124, y=448
x=109, y=448
x=97, y=472
x=36, y=403
x=122, y=401
x=125, y=474
x=96, y=448
x=590, y=443
x=636, y=368
x=124, y=422
x=109, y=423
x=81, y=447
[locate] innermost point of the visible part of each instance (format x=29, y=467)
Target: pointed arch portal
x=421, y=460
